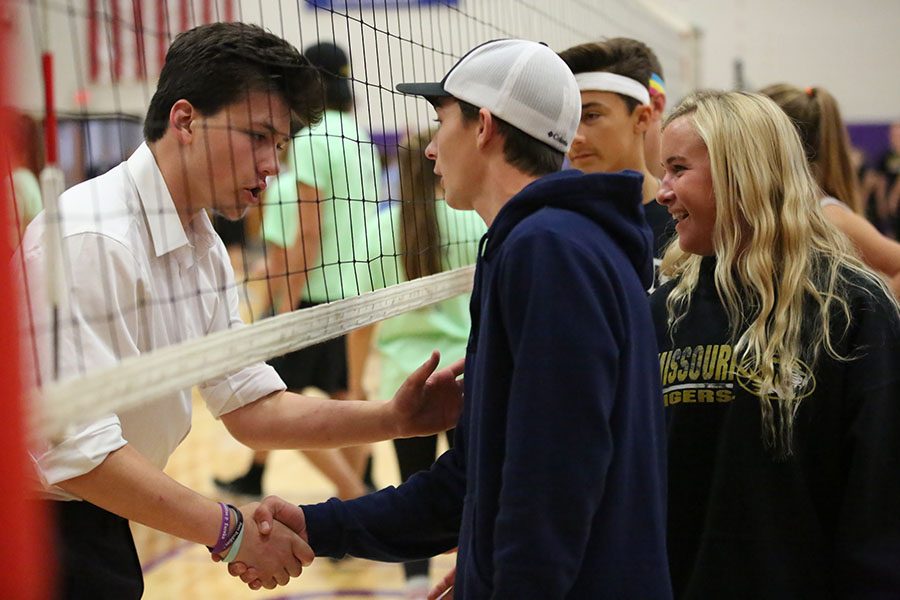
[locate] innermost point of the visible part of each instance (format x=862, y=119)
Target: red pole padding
x=93, y=41
x=50, y=110
x=162, y=33
x=137, y=7
x=27, y=557
x=116, y=23
x=184, y=15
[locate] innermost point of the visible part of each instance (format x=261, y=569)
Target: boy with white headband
x=622, y=98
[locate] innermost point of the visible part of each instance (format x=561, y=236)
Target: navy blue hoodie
x=556, y=485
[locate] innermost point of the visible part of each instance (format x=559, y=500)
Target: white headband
x=597, y=81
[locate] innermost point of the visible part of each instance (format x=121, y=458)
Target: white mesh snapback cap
x=522, y=82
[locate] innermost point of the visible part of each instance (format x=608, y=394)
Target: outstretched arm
x=428, y=402
x=417, y=520
x=129, y=485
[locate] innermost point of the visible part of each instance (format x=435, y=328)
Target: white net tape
x=167, y=370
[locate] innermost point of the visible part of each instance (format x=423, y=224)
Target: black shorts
x=323, y=366
x=96, y=554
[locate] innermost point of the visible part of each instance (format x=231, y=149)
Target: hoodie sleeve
x=418, y=519
x=558, y=444
x=867, y=544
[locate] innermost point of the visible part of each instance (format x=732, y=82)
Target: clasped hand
x=276, y=543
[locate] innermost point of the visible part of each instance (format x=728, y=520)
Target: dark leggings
x=414, y=455
x=96, y=553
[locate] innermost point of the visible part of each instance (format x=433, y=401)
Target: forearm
x=878, y=251
x=419, y=519
x=289, y=420
x=428, y=401
x=127, y=484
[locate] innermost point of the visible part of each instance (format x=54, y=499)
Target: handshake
x=269, y=544
x=275, y=547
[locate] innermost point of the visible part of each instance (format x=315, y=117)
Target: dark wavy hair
x=215, y=65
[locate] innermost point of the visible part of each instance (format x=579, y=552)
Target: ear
x=487, y=128
x=642, y=117
x=181, y=118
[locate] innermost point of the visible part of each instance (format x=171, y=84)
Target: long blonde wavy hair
x=782, y=272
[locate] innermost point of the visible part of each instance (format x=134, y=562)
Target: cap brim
x=428, y=90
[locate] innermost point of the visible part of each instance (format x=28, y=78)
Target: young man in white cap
x=555, y=487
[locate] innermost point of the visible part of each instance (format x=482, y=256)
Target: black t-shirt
x=823, y=523
x=663, y=227
x=662, y=224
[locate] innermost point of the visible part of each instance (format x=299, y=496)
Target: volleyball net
x=85, y=72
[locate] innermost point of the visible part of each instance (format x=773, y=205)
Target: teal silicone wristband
x=235, y=548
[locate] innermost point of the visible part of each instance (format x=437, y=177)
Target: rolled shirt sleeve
x=233, y=391
x=80, y=452
x=99, y=326
x=240, y=388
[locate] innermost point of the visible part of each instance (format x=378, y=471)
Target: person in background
x=872, y=191
x=20, y=173
x=889, y=166
x=315, y=230
x=621, y=104
x=658, y=95
x=817, y=116
x=780, y=363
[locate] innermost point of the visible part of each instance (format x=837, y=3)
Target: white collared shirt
x=137, y=280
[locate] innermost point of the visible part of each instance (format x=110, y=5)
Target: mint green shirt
x=338, y=158
x=26, y=195
x=280, y=209
x=405, y=341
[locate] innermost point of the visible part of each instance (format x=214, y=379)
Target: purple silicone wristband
x=239, y=525
x=223, y=530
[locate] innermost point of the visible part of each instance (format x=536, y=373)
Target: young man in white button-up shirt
x=151, y=272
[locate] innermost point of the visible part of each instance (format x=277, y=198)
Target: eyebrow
x=271, y=129
x=672, y=159
x=593, y=104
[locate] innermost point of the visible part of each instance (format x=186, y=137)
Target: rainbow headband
x=600, y=81
x=657, y=85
